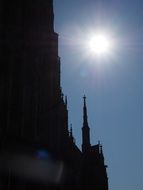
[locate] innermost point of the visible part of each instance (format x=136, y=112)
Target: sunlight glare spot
x=99, y=44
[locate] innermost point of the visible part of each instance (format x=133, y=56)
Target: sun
x=99, y=44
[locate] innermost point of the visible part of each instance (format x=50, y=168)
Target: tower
x=34, y=115
x=31, y=96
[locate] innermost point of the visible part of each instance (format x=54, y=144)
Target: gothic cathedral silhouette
x=37, y=148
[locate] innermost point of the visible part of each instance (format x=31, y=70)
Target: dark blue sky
x=113, y=85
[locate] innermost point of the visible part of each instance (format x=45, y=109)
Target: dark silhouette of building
x=37, y=148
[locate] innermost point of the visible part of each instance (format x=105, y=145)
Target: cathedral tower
x=31, y=102
x=33, y=112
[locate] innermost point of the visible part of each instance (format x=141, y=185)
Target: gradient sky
x=113, y=84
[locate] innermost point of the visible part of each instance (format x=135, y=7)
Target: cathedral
x=37, y=147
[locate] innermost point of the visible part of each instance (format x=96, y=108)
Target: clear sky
x=113, y=84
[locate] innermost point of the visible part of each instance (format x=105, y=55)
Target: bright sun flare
x=99, y=44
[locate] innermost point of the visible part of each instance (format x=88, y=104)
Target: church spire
x=85, y=120
x=85, y=129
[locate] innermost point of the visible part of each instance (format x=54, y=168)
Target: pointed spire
x=85, y=118
x=85, y=129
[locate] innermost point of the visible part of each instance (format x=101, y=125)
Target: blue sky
x=112, y=84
